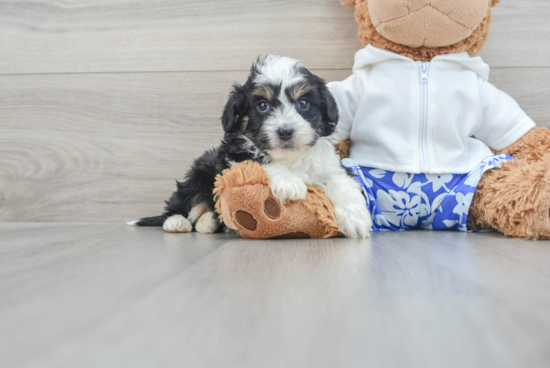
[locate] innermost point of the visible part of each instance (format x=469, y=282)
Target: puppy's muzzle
x=285, y=133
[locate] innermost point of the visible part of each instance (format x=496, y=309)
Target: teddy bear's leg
x=515, y=199
x=245, y=203
x=531, y=147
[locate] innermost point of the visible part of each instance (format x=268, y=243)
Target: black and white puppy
x=282, y=118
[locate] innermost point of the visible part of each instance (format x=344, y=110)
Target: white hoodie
x=412, y=117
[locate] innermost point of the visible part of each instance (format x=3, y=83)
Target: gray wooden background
x=104, y=103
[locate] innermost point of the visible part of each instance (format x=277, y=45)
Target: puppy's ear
x=234, y=108
x=329, y=109
x=350, y=3
x=494, y=2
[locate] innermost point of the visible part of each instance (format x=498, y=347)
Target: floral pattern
x=400, y=201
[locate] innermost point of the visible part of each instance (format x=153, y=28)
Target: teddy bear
x=432, y=143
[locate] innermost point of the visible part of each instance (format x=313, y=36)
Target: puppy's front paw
x=355, y=224
x=288, y=189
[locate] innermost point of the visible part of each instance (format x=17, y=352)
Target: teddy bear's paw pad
x=207, y=223
x=246, y=220
x=272, y=209
x=177, y=224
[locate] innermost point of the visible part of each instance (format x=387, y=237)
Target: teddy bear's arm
x=532, y=146
x=503, y=120
x=348, y=94
x=342, y=148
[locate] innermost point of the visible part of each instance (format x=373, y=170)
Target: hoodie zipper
x=423, y=69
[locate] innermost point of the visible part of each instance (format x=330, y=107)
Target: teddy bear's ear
x=351, y=3
x=493, y=2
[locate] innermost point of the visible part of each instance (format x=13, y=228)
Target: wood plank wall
x=104, y=103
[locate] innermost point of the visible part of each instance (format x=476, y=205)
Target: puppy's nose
x=285, y=133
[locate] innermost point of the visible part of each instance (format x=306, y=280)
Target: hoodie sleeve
x=504, y=122
x=347, y=95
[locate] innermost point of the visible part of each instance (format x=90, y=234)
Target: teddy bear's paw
x=354, y=223
x=177, y=224
x=271, y=209
x=288, y=188
x=207, y=223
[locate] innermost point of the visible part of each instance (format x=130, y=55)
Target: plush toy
x=245, y=203
x=433, y=144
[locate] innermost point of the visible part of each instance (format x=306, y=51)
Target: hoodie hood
x=371, y=55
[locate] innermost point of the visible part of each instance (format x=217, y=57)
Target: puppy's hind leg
x=208, y=223
x=174, y=219
x=180, y=224
x=205, y=220
x=177, y=224
x=197, y=211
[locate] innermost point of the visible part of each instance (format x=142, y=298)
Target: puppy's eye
x=263, y=107
x=303, y=104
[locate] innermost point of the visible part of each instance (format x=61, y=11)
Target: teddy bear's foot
x=515, y=199
x=245, y=203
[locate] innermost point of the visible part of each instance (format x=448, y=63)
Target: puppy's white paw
x=177, y=224
x=207, y=224
x=288, y=189
x=355, y=223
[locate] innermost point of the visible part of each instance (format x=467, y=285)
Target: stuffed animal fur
x=245, y=204
x=513, y=199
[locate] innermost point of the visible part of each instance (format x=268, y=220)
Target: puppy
x=282, y=118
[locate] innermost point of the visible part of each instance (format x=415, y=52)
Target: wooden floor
x=109, y=295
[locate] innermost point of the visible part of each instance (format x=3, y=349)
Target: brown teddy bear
x=433, y=144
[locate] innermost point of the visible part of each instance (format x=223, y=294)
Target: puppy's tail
x=148, y=221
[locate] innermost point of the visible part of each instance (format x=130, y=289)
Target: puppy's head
x=283, y=108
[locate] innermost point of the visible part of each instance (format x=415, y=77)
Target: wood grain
x=519, y=34
x=50, y=36
x=83, y=295
x=186, y=35
x=104, y=147
x=109, y=147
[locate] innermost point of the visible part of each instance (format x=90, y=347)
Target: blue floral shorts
x=400, y=201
